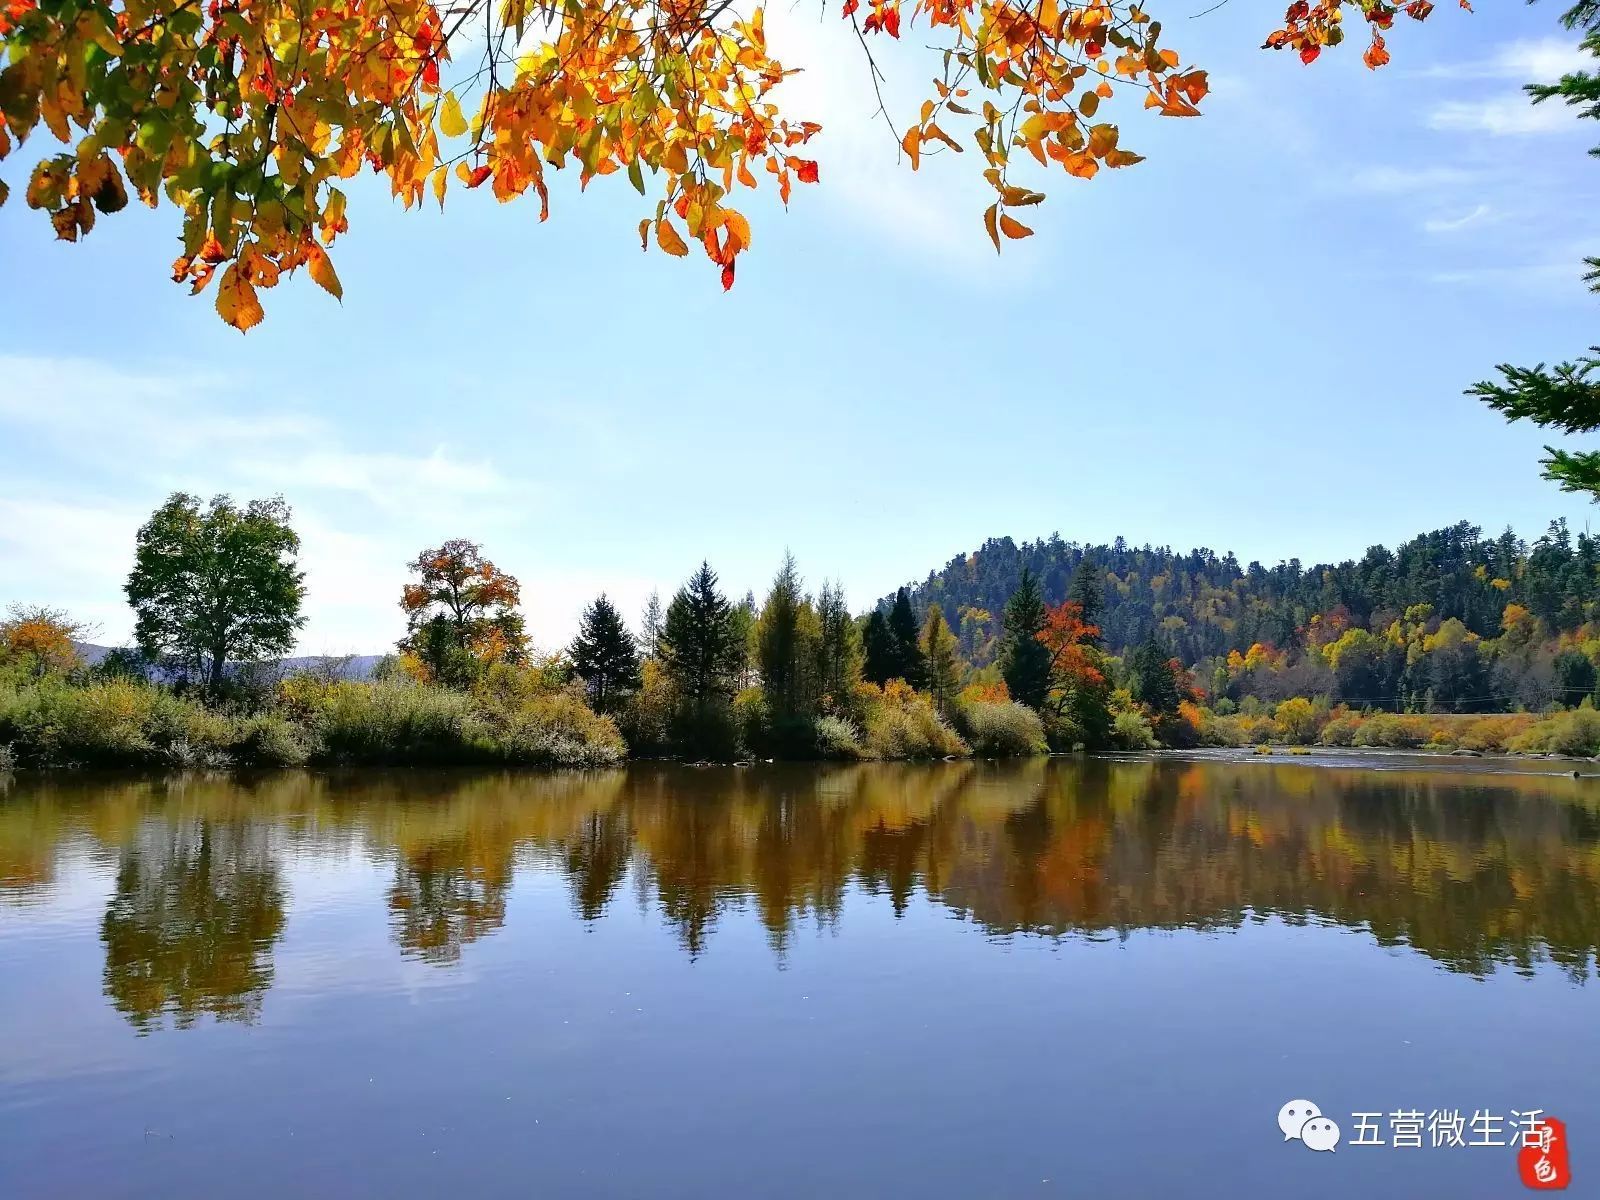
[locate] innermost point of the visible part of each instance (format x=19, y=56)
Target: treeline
x=217, y=597
x=1099, y=648
x=1448, y=621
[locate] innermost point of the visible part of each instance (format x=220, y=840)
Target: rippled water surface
x=1072, y=978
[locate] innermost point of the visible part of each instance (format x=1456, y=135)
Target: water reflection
x=191, y=924
x=1473, y=870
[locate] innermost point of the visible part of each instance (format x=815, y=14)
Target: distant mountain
x=357, y=666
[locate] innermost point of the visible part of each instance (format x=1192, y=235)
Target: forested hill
x=1201, y=604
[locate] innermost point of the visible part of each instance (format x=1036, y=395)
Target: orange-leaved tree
x=40, y=641
x=248, y=115
x=461, y=614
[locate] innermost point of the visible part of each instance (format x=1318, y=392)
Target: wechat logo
x=1303, y=1121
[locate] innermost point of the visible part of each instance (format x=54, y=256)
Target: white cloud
x=1477, y=216
x=1512, y=115
x=1543, y=60
x=197, y=432
x=1391, y=180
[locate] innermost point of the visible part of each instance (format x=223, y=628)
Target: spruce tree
x=1024, y=659
x=1150, y=678
x=1566, y=396
x=604, y=656
x=699, y=643
x=1084, y=591
x=882, y=660
x=909, y=664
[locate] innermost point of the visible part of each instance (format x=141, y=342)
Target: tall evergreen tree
x=785, y=645
x=1084, y=591
x=1566, y=396
x=604, y=656
x=939, y=653
x=882, y=658
x=1150, y=678
x=650, y=622
x=1024, y=659
x=839, y=651
x=909, y=664
x=699, y=643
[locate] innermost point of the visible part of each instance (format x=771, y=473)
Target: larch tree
x=786, y=635
x=215, y=585
x=839, y=650
x=604, y=656
x=943, y=664
x=250, y=117
x=461, y=613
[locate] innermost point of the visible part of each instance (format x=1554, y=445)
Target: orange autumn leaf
x=237, y=302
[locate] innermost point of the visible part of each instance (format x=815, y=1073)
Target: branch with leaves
x=247, y=115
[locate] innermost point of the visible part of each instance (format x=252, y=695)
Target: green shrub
x=1575, y=733
x=1341, y=731
x=272, y=740
x=397, y=721
x=901, y=723
x=1388, y=730
x=838, y=738
x=8, y=759
x=1001, y=729
x=1130, y=731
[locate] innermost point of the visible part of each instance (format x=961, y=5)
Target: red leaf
x=1308, y=54
x=479, y=174
x=727, y=277
x=808, y=171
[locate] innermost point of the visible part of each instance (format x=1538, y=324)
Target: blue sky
x=1256, y=340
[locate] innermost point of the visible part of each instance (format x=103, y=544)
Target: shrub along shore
x=515, y=719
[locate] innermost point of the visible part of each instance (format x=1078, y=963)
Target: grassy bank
x=1302, y=722
x=513, y=716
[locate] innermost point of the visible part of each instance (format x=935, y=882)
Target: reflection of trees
x=444, y=898
x=191, y=925
x=1476, y=871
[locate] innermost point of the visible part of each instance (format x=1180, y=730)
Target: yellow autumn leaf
x=237, y=303
x=321, y=268
x=451, y=121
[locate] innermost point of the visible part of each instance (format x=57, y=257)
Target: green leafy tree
x=1567, y=395
x=215, y=585
x=943, y=665
x=909, y=663
x=1024, y=659
x=604, y=656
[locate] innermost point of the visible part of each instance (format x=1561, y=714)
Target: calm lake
x=1089, y=978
